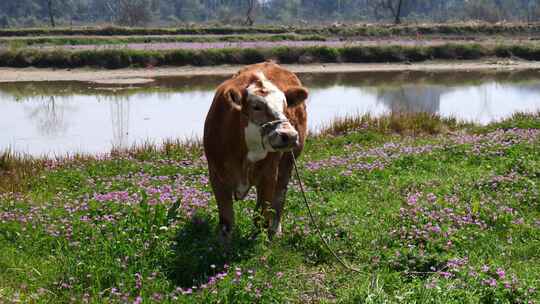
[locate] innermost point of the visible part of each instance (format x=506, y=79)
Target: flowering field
x=450, y=217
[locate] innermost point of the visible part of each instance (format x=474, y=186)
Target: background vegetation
x=122, y=58
x=31, y=13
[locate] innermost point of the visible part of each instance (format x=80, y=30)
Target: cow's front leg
x=284, y=175
x=265, y=194
x=224, y=200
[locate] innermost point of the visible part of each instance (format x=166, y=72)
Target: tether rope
x=340, y=260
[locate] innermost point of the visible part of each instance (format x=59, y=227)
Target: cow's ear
x=296, y=95
x=234, y=97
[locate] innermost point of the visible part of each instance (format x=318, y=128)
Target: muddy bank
x=141, y=75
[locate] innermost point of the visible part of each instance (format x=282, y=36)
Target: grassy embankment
x=373, y=30
x=120, y=35
x=430, y=210
x=120, y=58
x=107, y=40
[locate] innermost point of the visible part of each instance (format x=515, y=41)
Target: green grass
x=107, y=40
x=126, y=31
x=370, y=30
x=121, y=58
x=450, y=217
x=400, y=123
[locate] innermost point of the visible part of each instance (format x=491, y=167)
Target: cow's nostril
x=284, y=137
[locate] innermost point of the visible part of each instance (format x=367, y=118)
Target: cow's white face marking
x=273, y=97
x=267, y=94
x=256, y=150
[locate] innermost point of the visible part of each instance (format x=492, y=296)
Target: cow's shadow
x=198, y=253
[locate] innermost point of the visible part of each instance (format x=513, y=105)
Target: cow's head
x=264, y=105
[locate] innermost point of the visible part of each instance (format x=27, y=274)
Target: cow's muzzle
x=280, y=135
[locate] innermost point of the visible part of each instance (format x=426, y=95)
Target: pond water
x=58, y=118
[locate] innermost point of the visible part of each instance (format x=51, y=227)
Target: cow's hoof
x=278, y=230
x=275, y=231
x=255, y=234
x=225, y=238
x=226, y=244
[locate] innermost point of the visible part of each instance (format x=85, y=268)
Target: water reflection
x=68, y=117
x=48, y=117
x=412, y=98
x=120, y=123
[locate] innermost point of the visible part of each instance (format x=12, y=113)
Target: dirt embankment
x=143, y=75
x=288, y=43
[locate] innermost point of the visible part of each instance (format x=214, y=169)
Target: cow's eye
x=257, y=108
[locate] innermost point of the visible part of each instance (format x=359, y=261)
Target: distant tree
x=531, y=9
x=134, y=12
x=50, y=9
x=394, y=7
x=141, y=12
x=4, y=21
x=249, y=14
x=282, y=10
x=483, y=10
x=397, y=14
x=188, y=10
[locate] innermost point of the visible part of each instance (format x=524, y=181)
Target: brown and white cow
x=257, y=117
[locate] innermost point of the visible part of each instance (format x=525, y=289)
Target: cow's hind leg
x=224, y=200
x=284, y=175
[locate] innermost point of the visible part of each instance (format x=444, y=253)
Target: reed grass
x=19, y=170
x=399, y=123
